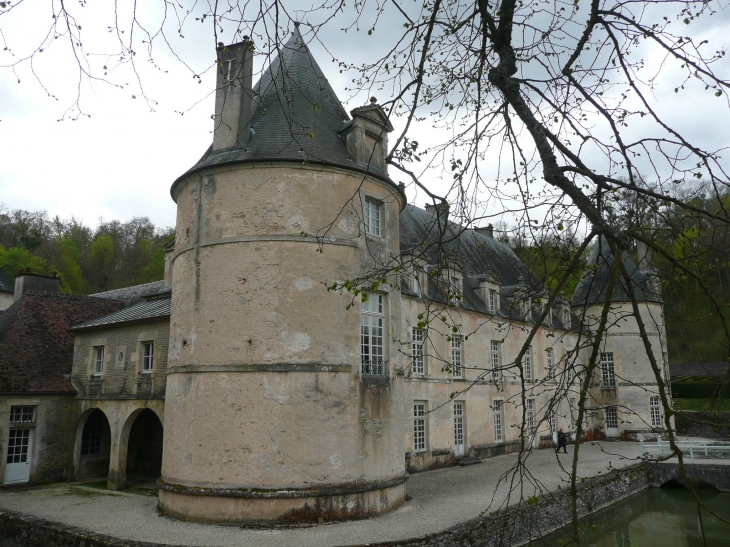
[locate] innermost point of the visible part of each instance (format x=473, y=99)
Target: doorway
x=144, y=449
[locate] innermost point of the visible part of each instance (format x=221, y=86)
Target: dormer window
x=492, y=300
x=525, y=305
x=416, y=281
x=566, y=317
x=455, y=289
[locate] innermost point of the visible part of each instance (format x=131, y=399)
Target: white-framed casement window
x=98, y=359
x=550, y=363
x=611, y=417
x=455, y=289
x=530, y=415
x=419, y=426
x=24, y=414
x=416, y=280
x=457, y=364
x=552, y=415
x=496, y=365
x=493, y=301
x=525, y=305
x=528, y=363
x=148, y=356
x=372, y=212
x=498, y=420
x=417, y=354
x=655, y=411
x=372, y=320
x=566, y=317
x=608, y=374
x=573, y=412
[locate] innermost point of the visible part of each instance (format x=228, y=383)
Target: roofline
x=119, y=323
x=400, y=189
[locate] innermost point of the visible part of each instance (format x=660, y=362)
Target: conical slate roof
x=296, y=117
x=593, y=286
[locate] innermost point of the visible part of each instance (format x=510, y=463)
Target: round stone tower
x=282, y=402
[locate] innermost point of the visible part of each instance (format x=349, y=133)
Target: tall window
x=656, y=413
x=608, y=376
x=372, y=217
x=492, y=300
x=550, y=363
x=459, y=423
x=371, y=335
x=98, y=359
x=573, y=412
x=611, y=418
x=22, y=414
x=498, y=419
x=551, y=416
x=456, y=361
x=18, y=443
x=566, y=317
x=148, y=357
x=419, y=426
x=416, y=281
x=528, y=363
x=530, y=414
x=417, y=351
x=495, y=360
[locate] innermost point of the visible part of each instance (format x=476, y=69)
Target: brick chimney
x=233, y=95
x=32, y=282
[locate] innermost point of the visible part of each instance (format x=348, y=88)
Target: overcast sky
x=120, y=162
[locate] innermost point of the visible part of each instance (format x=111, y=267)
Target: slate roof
x=292, y=100
x=36, y=349
x=136, y=293
x=146, y=310
x=593, y=286
x=477, y=255
x=6, y=284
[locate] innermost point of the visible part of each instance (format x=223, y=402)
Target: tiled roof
x=36, y=349
x=147, y=309
x=593, y=286
x=6, y=284
x=132, y=295
x=296, y=117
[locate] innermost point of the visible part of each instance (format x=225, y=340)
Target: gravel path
x=441, y=499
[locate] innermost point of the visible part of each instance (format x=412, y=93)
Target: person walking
x=562, y=441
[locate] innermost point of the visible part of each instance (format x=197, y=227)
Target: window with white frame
x=372, y=214
x=493, y=300
x=98, y=355
x=372, y=319
x=457, y=367
x=551, y=419
x=608, y=375
x=530, y=415
x=525, y=305
x=455, y=289
x=528, y=363
x=498, y=420
x=550, y=363
x=496, y=367
x=18, y=445
x=22, y=414
x=419, y=426
x=417, y=355
x=611, y=418
x=148, y=356
x=416, y=281
x=566, y=317
x=573, y=412
x=655, y=411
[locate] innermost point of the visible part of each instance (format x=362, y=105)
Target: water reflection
x=665, y=517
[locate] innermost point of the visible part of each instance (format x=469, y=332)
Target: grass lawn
x=702, y=404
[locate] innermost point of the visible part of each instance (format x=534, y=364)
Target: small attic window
x=492, y=300
x=525, y=305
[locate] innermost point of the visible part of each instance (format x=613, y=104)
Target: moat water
x=662, y=517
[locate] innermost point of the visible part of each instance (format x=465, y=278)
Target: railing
x=699, y=449
x=373, y=368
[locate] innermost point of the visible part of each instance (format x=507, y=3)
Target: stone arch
x=92, y=445
x=142, y=433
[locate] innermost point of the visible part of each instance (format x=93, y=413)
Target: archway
x=92, y=446
x=144, y=448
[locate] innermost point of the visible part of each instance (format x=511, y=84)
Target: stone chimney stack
x=367, y=138
x=646, y=256
x=486, y=231
x=32, y=282
x=440, y=210
x=233, y=95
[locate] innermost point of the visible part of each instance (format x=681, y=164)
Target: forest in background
x=117, y=254
x=88, y=260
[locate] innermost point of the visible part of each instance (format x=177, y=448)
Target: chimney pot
x=487, y=231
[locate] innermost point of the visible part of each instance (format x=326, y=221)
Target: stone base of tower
x=254, y=507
